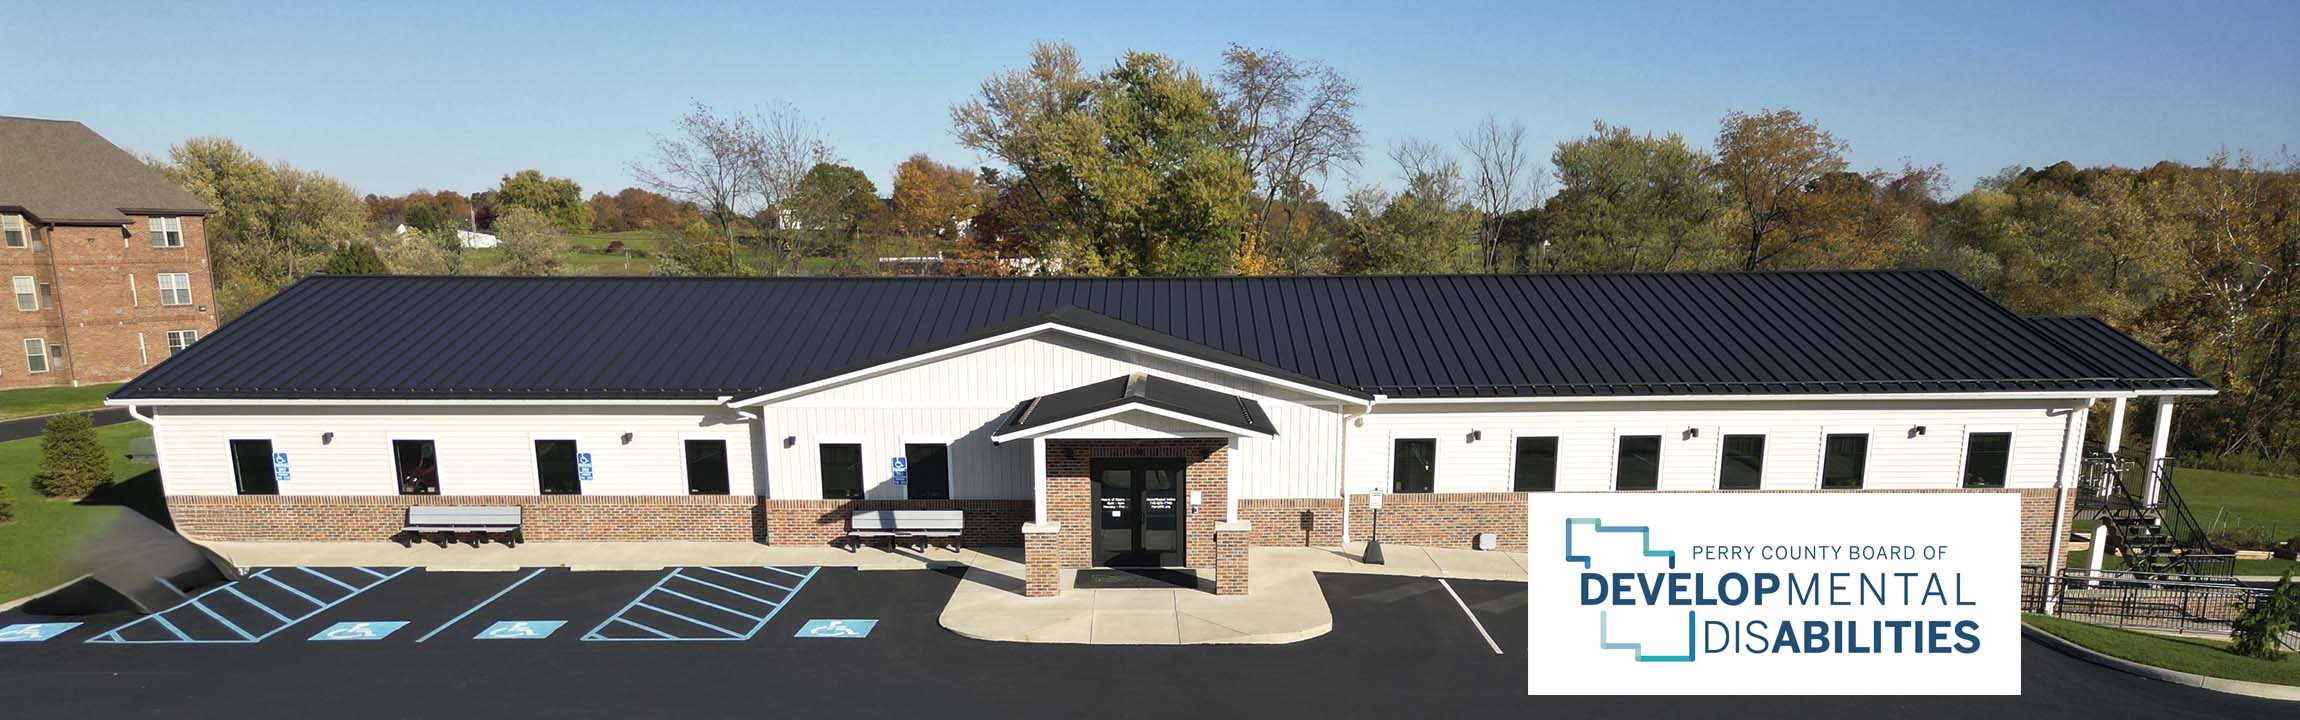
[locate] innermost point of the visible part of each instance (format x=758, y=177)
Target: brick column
x=1231, y=543
x=1042, y=559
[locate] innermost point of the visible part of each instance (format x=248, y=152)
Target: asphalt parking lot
x=831, y=642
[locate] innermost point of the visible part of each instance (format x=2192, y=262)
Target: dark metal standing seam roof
x=1143, y=390
x=2117, y=354
x=1541, y=335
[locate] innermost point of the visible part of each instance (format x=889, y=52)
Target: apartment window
x=180, y=339
x=12, y=226
x=558, y=467
x=1413, y=465
x=27, y=293
x=167, y=232
x=418, y=463
x=1637, y=464
x=175, y=288
x=252, y=467
x=706, y=467
x=1987, y=456
x=928, y=466
x=47, y=295
x=1536, y=466
x=1844, y=461
x=842, y=470
x=1742, y=467
x=35, y=355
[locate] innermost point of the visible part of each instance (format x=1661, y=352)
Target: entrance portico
x=1134, y=472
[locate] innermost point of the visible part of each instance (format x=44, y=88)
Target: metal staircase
x=2154, y=539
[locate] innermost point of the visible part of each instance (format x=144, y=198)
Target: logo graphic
x=373, y=630
x=837, y=629
x=520, y=630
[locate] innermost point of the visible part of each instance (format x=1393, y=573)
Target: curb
x=2206, y=682
x=7, y=605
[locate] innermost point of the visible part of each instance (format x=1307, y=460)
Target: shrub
x=72, y=462
x=7, y=505
x=2242, y=538
x=2257, y=631
x=355, y=258
x=2245, y=463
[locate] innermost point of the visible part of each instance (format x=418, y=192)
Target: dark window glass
x=842, y=471
x=1413, y=466
x=418, y=462
x=706, y=467
x=252, y=467
x=1536, y=464
x=555, y=467
x=1638, y=466
x=929, y=465
x=1743, y=465
x=1986, y=457
x=1844, y=461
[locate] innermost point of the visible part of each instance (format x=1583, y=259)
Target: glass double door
x=1138, y=512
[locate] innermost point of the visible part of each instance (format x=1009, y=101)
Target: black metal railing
x=2181, y=523
x=2161, y=603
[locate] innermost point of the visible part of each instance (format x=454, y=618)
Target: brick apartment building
x=105, y=259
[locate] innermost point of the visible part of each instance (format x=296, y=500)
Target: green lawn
x=36, y=547
x=2190, y=655
x=30, y=402
x=2226, y=499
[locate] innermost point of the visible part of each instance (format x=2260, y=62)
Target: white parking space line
x=1472, y=616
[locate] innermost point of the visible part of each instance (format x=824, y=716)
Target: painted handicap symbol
x=34, y=632
x=520, y=630
x=837, y=629
x=371, y=630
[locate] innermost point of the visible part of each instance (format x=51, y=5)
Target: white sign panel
x=1774, y=594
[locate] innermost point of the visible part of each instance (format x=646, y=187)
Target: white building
x=1116, y=422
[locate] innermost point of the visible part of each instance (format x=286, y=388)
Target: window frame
x=1765, y=440
x=185, y=288
x=41, y=353
x=14, y=223
x=535, y=463
x=1557, y=461
x=862, y=468
x=727, y=456
x=1868, y=452
x=233, y=457
x=1396, y=438
x=26, y=287
x=1660, y=456
x=173, y=348
x=438, y=458
x=167, y=231
x=949, y=468
x=1965, y=455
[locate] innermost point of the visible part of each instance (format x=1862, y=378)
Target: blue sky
x=395, y=96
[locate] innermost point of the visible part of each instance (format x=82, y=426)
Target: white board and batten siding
x=2044, y=448
x=961, y=398
x=483, y=450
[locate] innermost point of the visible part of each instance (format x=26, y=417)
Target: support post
x=2157, y=447
x=1038, y=481
x=2099, y=551
x=2115, y=439
x=1230, y=485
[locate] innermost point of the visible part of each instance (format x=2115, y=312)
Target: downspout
x=158, y=460
x=1342, y=470
x=761, y=453
x=2071, y=441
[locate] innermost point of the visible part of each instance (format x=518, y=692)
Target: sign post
x=1373, y=555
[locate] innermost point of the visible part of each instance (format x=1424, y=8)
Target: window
x=180, y=339
x=47, y=295
x=1413, y=465
x=929, y=467
x=35, y=355
x=418, y=463
x=167, y=232
x=1743, y=465
x=252, y=467
x=706, y=467
x=1638, y=464
x=1987, y=456
x=842, y=470
x=27, y=293
x=1536, y=467
x=1844, y=461
x=12, y=226
x=175, y=288
x=557, y=467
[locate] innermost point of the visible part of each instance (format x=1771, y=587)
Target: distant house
x=471, y=240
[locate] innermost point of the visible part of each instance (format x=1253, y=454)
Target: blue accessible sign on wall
x=902, y=471
x=34, y=632
x=583, y=467
x=375, y=630
x=520, y=630
x=837, y=629
x=279, y=467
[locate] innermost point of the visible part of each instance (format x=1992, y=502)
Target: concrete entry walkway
x=591, y=555
x=1285, y=605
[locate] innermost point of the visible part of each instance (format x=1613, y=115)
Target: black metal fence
x=2162, y=603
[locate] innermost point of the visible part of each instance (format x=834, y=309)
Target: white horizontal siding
x=483, y=450
x=1793, y=431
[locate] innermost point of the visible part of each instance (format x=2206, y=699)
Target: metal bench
x=924, y=525
x=450, y=520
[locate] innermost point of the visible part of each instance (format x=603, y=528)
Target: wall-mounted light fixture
x=1476, y=435
x=1692, y=432
x=626, y=438
x=1916, y=431
x=790, y=441
x=327, y=437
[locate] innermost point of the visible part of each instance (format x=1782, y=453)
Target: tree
x=2260, y=625
x=559, y=200
x=833, y=203
x=354, y=258
x=1500, y=181
x=530, y=243
x=635, y=209
x=72, y=461
x=272, y=222
x=421, y=252
x=1767, y=162
x=1631, y=202
x=710, y=162
x=1294, y=121
x=789, y=145
x=693, y=249
x=931, y=198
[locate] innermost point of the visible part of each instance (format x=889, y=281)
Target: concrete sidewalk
x=588, y=555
